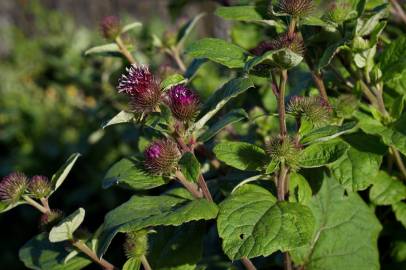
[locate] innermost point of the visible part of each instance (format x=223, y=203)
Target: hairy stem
x=45, y=203
x=191, y=187
x=398, y=10
x=124, y=51
x=33, y=203
x=281, y=104
x=203, y=186
x=318, y=80
x=399, y=161
x=248, y=264
x=145, y=263
x=92, y=255
x=176, y=56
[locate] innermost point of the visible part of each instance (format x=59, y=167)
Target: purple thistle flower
x=296, y=8
x=161, y=156
x=141, y=86
x=294, y=42
x=183, y=102
x=110, y=27
x=39, y=186
x=12, y=187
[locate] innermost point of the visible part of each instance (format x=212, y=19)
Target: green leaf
x=105, y=50
x=39, y=254
x=346, y=232
x=186, y=29
x=357, y=170
x=329, y=54
x=230, y=118
x=220, y=98
x=241, y=155
x=219, y=51
x=321, y=154
x=283, y=58
x=186, y=246
x=132, y=264
x=65, y=229
x=393, y=59
x=172, y=80
x=299, y=189
x=120, y=118
x=4, y=207
x=239, y=13
x=59, y=177
x=327, y=133
x=252, y=223
x=130, y=172
x=174, y=208
x=130, y=26
x=387, y=190
x=190, y=167
x=399, y=209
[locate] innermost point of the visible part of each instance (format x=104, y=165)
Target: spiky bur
x=136, y=244
x=284, y=150
x=13, y=187
x=295, y=8
x=110, y=27
x=314, y=109
x=39, y=186
x=338, y=12
x=142, y=88
x=48, y=220
x=293, y=41
x=183, y=102
x=161, y=157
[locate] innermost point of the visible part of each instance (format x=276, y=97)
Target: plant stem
x=124, y=51
x=287, y=262
x=281, y=104
x=399, y=161
x=248, y=264
x=45, y=203
x=145, y=263
x=292, y=26
x=398, y=10
x=33, y=203
x=203, y=186
x=191, y=187
x=176, y=56
x=318, y=80
x=283, y=172
x=92, y=255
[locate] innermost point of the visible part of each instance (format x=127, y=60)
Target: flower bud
x=293, y=42
x=183, y=102
x=284, y=150
x=162, y=156
x=39, y=186
x=376, y=74
x=295, y=8
x=338, y=12
x=136, y=244
x=13, y=187
x=48, y=220
x=142, y=88
x=110, y=27
x=314, y=109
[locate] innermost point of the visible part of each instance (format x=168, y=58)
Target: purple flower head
x=12, y=187
x=296, y=8
x=294, y=42
x=110, y=27
x=161, y=156
x=183, y=102
x=39, y=186
x=141, y=86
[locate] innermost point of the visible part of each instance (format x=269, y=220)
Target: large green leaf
x=241, y=155
x=393, y=59
x=130, y=172
x=387, y=190
x=346, y=232
x=174, y=208
x=361, y=163
x=220, y=98
x=219, y=51
x=321, y=154
x=176, y=247
x=39, y=254
x=239, y=13
x=230, y=118
x=327, y=133
x=252, y=223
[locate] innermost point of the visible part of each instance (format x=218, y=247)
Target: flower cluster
x=39, y=186
x=142, y=88
x=183, y=102
x=161, y=157
x=285, y=150
x=296, y=8
x=314, y=109
x=293, y=42
x=136, y=244
x=13, y=187
x=110, y=27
